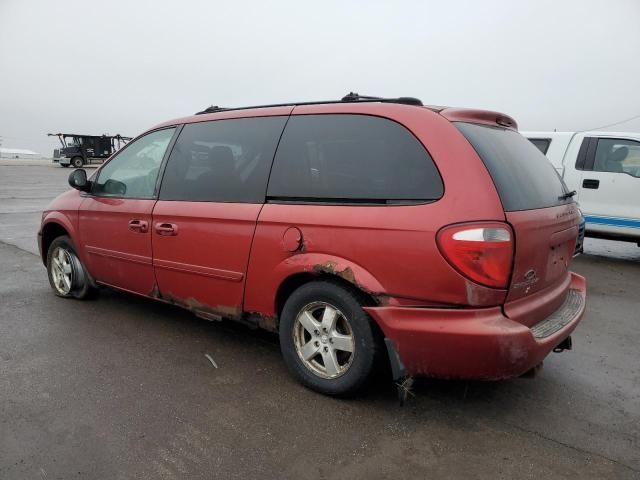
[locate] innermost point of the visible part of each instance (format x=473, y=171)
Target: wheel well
x=50, y=232
x=295, y=281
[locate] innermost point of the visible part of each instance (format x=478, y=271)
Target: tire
x=77, y=162
x=343, y=373
x=67, y=276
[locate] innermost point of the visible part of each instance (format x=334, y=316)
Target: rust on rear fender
x=330, y=267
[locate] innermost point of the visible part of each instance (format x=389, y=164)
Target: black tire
x=77, y=162
x=80, y=284
x=366, y=344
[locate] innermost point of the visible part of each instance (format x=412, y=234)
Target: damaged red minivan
x=362, y=230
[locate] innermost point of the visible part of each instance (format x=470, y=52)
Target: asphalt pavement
x=119, y=387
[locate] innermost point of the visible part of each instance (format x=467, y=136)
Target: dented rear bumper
x=476, y=343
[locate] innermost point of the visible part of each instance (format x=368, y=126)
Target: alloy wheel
x=324, y=340
x=62, y=270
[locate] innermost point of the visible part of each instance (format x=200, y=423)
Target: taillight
x=481, y=252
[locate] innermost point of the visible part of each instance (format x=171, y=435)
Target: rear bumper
x=476, y=343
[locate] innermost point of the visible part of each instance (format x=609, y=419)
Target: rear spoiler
x=485, y=117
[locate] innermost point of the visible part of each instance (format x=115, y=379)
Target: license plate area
x=562, y=245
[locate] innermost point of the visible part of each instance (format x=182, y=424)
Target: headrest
x=221, y=154
x=619, y=154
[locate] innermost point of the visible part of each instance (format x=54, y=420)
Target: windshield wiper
x=567, y=195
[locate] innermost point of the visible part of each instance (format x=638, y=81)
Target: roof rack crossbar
x=350, y=97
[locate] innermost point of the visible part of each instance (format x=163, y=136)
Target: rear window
x=352, y=159
x=523, y=176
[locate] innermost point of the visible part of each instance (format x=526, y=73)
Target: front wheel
x=77, y=162
x=327, y=340
x=67, y=276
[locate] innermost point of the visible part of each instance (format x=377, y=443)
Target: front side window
x=352, y=159
x=222, y=160
x=617, y=156
x=134, y=171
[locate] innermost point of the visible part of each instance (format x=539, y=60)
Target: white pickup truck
x=604, y=170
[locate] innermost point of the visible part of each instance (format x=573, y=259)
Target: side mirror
x=114, y=187
x=78, y=180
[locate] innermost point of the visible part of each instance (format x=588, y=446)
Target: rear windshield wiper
x=567, y=195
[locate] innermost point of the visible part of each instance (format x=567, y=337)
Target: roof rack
x=350, y=97
x=354, y=97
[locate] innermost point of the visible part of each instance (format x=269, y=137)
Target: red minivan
x=364, y=230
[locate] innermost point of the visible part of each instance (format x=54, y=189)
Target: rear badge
x=530, y=278
x=569, y=212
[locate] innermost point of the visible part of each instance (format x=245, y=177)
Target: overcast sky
x=122, y=66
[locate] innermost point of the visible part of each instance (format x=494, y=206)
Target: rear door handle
x=590, y=183
x=167, y=229
x=139, y=226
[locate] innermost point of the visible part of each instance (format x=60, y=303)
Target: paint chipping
x=326, y=267
x=265, y=322
x=203, y=310
x=347, y=274
x=269, y=323
x=330, y=267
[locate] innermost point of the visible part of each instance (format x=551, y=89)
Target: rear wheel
x=67, y=275
x=327, y=340
x=77, y=162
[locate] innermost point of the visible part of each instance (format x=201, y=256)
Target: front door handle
x=590, y=183
x=167, y=229
x=139, y=226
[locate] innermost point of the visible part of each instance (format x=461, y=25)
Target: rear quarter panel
x=391, y=250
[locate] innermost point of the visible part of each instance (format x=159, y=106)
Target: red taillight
x=481, y=252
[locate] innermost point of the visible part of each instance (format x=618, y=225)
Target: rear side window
x=542, y=144
x=523, y=176
x=352, y=159
x=222, y=160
